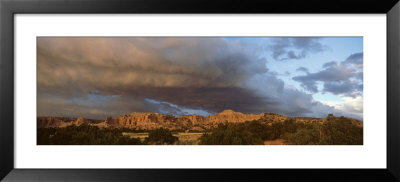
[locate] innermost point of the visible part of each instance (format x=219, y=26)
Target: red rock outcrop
x=151, y=121
x=271, y=117
x=231, y=116
x=53, y=122
x=194, y=120
x=61, y=122
x=143, y=121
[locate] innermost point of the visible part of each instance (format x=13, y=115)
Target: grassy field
x=141, y=136
x=188, y=138
x=184, y=138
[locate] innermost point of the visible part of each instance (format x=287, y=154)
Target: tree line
x=93, y=135
x=335, y=131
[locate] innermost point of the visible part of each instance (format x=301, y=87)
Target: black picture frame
x=9, y=8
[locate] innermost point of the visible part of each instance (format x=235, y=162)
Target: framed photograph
x=131, y=90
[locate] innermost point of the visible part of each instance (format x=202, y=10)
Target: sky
x=96, y=77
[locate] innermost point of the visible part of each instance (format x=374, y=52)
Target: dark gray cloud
x=99, y=77
x=355, y=59
x=349, y=88
x=168, y=108
x=338, y=78
x=295, y=48
x=307, y=83
x=288, y=101
x=202, y=73
x=303, y=69
x=124, y=62
x=329, y=64
x=95, y=106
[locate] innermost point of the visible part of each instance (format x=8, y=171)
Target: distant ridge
x=152, y=120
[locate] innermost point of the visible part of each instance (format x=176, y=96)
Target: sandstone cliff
x=231, y=116
x=61, y=122
x=151, y=121
x=54, y=122
x=143, y=121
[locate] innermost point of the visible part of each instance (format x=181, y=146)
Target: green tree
x=247, y=133
x=303, y=137
x=161, y=136
x=341, y=131
x=83, y=135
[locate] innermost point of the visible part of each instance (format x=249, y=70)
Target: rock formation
x=143, y=121
x=151, y=121
x=231, y=116
x=53, y=122
x=61, y=122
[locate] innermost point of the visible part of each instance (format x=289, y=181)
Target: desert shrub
x=341, y=131
x=289, y=126
x=83, y=135
x=303, y=137
x=248, y=133
x=277, y=130
x=335, y=131
x=160, y=136
x=43, y=135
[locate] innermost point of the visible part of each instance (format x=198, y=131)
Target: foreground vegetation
x=92, y=135
x=335, y=131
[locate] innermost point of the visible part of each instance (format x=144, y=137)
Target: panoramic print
x=199, y=91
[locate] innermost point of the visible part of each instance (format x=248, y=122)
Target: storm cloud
x=295, y=48
x=343, y=78
x=355, y=59
x=99, y=77
x=303, y=69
